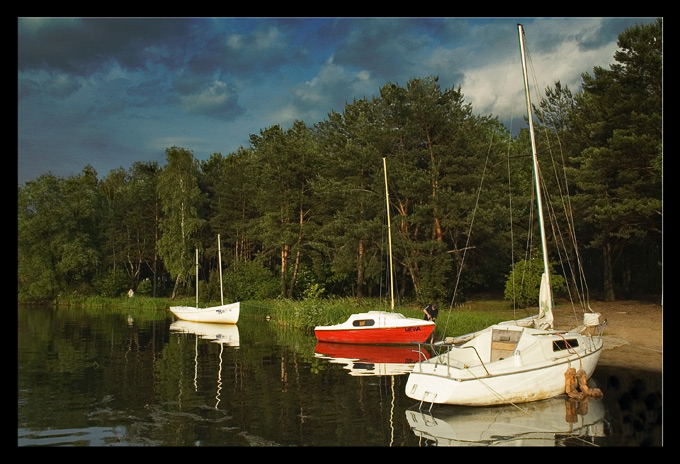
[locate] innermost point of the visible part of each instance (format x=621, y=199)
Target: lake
x=102, y=378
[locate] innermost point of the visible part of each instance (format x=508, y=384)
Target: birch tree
x=180, y=225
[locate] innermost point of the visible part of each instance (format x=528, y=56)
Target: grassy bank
x=306, y=314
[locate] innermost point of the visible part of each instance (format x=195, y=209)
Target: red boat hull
x=378, y=335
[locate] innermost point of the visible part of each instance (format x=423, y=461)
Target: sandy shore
x=633, y=337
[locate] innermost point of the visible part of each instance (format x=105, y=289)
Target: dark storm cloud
x=386, y=48
x=83, y=46
x=263, y=49
x=110, y=92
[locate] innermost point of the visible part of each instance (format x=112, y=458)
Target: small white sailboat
x=515, y=361
x=222, y=314
x=378, y=327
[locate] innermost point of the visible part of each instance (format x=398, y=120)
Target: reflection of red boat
x=372, y=359
x=372, y=353
x=376, y=327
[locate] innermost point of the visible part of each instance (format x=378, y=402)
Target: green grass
x=475, y=314
x=307, y=314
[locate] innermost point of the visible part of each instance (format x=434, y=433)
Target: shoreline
x=633, y=337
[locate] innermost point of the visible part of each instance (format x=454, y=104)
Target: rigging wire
x=575, y=276
x=474, y=211
x=578, y=276
x=512, y=229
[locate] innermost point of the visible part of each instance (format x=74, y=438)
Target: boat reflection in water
x=553, y=422
x=226, y=334
x=223, y=334
x=372, y=360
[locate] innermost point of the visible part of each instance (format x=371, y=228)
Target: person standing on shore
x=431, y=312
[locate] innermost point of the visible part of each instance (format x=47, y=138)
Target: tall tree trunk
x=360, y=269
x=361, y=257
x=157, y=215
x=293, y=279
x=607, y=255
x=413, y=271
x=437, y=232
x=298, y=253
x=155, y=276
x=174, y=288
x=284, y=268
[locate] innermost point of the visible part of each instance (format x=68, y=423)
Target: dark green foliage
x=302, y=212
x=145, y=288
x=250, y=280
x=618, y=164
x=524, y=282
x=113, y=284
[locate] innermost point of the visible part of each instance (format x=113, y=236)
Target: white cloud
x=498, y=88
x=212, y=99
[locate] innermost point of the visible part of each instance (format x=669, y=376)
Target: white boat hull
x=532, y=371
x=223, y=314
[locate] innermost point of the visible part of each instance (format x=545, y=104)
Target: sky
x=109, y=92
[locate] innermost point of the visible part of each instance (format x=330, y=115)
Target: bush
x=524, y=282
x=112, y=284
x=145, y=288
x=248, y=280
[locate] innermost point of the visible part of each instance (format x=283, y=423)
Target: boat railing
x=478, y=357
x=591, y=330
x=435, y=348
x=422, y=357
x=446, y=360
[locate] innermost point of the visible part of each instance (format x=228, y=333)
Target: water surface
x=101, y=378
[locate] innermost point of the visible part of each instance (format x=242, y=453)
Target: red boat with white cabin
x=376, y=327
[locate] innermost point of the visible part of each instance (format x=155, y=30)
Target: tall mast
x=219, y=261
x=389, y=235
x=196, y=277
x=535, y=160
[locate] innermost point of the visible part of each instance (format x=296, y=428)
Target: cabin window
x=363, y=322
x=560, y=345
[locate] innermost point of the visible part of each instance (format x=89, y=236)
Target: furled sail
x=545, y=315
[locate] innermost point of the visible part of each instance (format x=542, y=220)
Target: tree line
x=301, y=212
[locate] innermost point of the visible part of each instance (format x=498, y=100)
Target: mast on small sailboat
x=219, y=261
x=545, y=297
x=196, y=278
x=389, y=235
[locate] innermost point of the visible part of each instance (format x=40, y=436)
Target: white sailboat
x=514, y=361
x=222, y=314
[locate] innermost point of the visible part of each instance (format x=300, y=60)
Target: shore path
x=633, y=337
